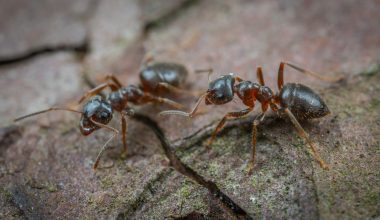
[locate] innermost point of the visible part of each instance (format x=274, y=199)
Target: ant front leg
x=98, y=89
x=255, y=124
x=230, y=115
x=126, y=112
x=124, y=132
x=302, y=133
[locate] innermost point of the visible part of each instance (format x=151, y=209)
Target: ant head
x=98, y=110
x=220, y=91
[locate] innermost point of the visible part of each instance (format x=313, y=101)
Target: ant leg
x=114, y=79
x=260, y=76
x=238, y=79
x=151, y=98
x=186, y=114
x=255, y=123
x=148, y=58
x=124, y=132
x=44, y=111
x=115, y=133
x=305, y=136
x=280, y=77
x=230, y=115
x=280, y=80
x=176, y=89
x=98, y=89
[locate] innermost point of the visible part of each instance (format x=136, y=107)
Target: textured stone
x=155, y=10
x=30, y=25
x=115, y=26
x=46, y=165
x=37, y=84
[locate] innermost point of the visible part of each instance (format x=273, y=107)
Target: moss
x=214, y=168
x=374, y=104
x=377, y=149
x=106, y=182
x=299, y=143
x=185, y=191
x=51, y=187
x=6, y=194
x=371, y=70
x=372, y=198
x=255, y=181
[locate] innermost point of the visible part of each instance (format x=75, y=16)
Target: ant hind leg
x=156, y=99
x=260, y=76
x=302, y=133
x=280, y=79
x=176, y=89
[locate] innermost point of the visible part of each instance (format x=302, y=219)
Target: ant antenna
x=182, y=113
x=44, y=111
x=104, y=147
x=209, y=71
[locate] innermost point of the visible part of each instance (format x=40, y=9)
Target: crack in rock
x=80, y=49
x=182, y=168
x=167, y=17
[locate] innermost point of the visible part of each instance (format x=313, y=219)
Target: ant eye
x=104, y=115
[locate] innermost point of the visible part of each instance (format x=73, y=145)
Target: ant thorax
x=119, y=99
x=247, y=91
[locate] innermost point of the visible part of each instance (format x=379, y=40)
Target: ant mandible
x=297, y=101
x=98, y=111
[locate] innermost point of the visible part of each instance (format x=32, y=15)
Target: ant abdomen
x=170, y=73
x=302, y=101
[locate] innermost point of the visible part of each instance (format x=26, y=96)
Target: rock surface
x=46, y=165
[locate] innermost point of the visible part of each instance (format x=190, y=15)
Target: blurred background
x=48, y=46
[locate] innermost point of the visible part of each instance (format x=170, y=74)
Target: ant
x=297, y=101
x=98, y=110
